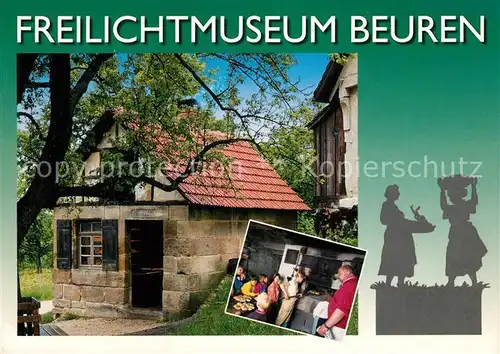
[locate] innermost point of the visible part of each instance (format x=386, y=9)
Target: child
x=261, y=286
x=263, y=303
x=249, y=288
x=238, y=281
x=320, y=313
x=274, y=288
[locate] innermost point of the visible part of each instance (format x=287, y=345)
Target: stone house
x=336, y=136
x=160, y=253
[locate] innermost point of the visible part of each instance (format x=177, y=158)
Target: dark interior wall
x=146, y=246
x=265, y=258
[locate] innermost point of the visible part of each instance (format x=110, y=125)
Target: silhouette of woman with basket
x=465, y=248
x=398, y=253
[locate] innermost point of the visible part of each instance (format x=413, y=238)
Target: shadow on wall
x=413, y=309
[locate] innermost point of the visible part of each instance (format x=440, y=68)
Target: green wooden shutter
x=110, y=244
x=63, y=244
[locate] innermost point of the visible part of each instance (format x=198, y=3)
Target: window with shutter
x=64, y=244
x=90, y=243
x=110, y=244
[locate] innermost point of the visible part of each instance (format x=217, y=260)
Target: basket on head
x=456, y=182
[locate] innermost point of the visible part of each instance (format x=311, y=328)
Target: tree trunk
x=25, y=64
x=42, y=191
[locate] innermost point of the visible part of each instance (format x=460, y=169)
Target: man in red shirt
x=340, y=305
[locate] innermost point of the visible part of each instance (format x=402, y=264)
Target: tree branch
x=193, y=164
x=37, y=84
x=212, y=94
x=33, y=121
x=83, y=83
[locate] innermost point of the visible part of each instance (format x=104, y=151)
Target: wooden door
x=339, y=153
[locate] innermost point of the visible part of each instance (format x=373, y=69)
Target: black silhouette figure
x=419, y=309
x=398, y=253
x=465, y=248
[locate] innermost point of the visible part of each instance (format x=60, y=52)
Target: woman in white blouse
x=290, y=291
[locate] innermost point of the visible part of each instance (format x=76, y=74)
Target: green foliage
x=37, y=285
x=47, y=318
x=352, y=329
x=306, y=223
x=290, y=149
x=347, y=234
x=68, y=316
x=36, y=251
x=337, y=236
x=341, y=58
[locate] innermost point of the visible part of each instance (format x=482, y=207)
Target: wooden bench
x=28, y=317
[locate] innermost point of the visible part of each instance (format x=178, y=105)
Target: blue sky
x=310, y=68
x=308, y=71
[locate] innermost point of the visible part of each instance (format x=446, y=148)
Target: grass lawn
x=212, y=320
x=38, y=285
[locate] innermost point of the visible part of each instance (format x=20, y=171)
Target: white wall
x=160, y=195
x=142, y=193
x=348, y=95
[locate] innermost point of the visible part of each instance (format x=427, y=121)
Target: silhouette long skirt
x=465, y=250
x=398, y=253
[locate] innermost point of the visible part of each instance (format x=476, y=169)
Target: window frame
x=95, y=230
x=296, y=258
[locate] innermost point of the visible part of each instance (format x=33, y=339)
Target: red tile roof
x=253, y=183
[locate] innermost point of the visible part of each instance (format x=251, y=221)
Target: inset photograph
x=295, y=281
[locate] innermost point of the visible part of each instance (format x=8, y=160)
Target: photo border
x=302, y=234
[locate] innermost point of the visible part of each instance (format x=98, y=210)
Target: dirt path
x=45, y=307
x=106, y=326
x=164, y=329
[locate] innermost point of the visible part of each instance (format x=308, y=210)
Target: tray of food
x=243, y=298
x=244, y=307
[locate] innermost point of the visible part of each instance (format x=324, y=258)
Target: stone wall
x=196, y=255
x=90, y=293
x=283, y=218
x=197, y=252
x=95, y=292
x=198, y=242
